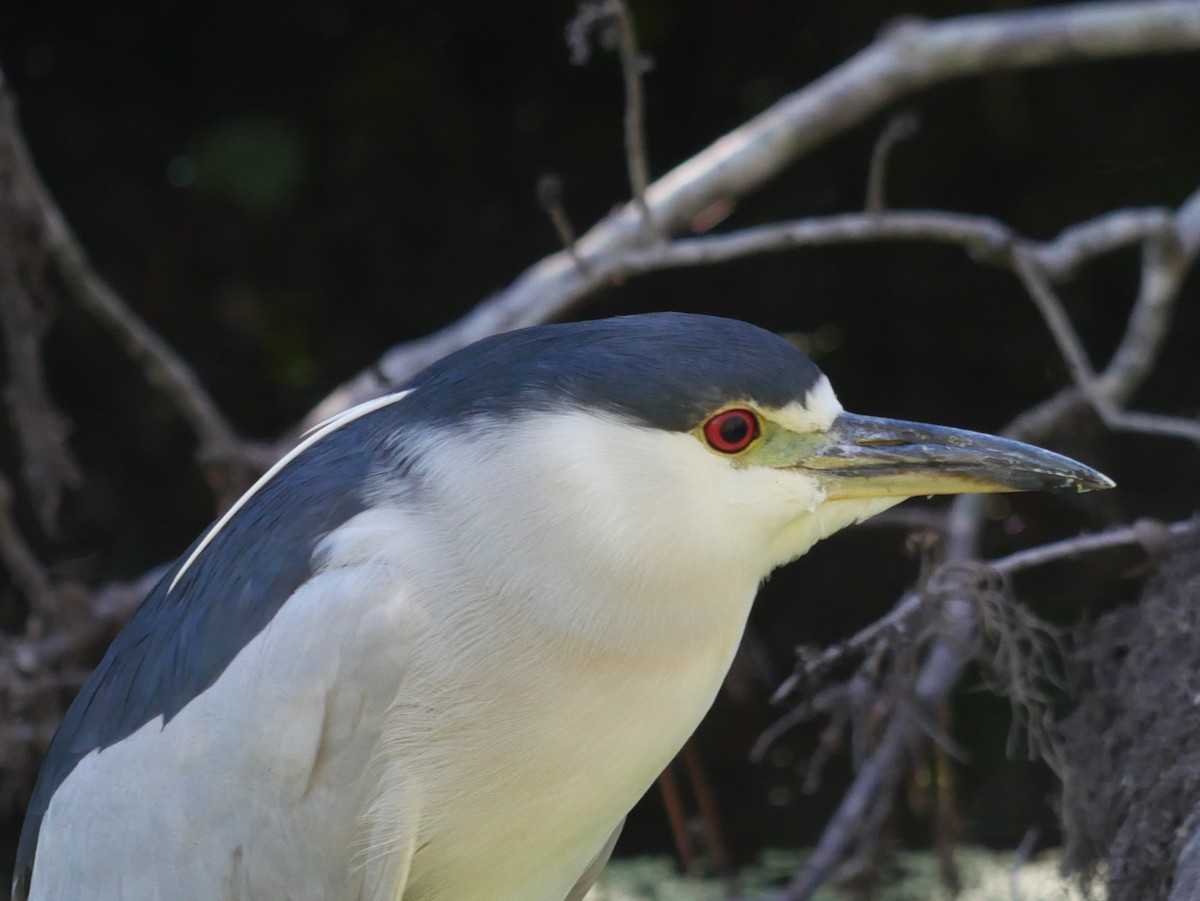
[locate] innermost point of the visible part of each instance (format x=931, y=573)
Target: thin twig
x=780, y=726
x=1054, y=314
x=1138, y=533
x=636, y=156
x=1021, y=858
x=48, y=466
x=706, y=802
x=21, y=562
x=623, y=37
x=550, y=198
x=668, y=785
x=900, y=127
x=894, y=619
x=1166, y=258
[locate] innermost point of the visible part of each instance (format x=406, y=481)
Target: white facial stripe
x=815, y=414
x=311, y=437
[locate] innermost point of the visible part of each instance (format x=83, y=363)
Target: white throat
x=590, y=588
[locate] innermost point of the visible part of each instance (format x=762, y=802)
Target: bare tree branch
x=1163, y=270
x=21, y=562
x=163, y=367
x=632, y=66
x=1151, y=535
x=47, y=465
x=1084, y=376
x=985, y=239
x=622, y=37
x=903, y=61
x=900, y=127
x=896, y=618
x=1165, y=263
x=550, y=196
x=868, y=800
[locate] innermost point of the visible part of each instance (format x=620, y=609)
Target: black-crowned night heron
x=439, y=650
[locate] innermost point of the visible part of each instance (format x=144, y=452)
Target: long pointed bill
x=862, y=456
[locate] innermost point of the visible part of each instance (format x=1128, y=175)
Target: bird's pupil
x=731, y=431
x=734, y=429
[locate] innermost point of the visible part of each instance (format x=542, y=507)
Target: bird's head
x=670, y=444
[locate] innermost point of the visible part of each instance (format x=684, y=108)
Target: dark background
x=284, y=191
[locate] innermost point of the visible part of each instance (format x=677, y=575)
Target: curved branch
x=1166, y=259
x=162, y=366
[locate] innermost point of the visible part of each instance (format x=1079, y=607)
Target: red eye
x=731, y=431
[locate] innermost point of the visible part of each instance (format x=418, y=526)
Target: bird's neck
x=540, y=699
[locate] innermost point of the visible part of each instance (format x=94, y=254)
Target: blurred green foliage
x=257, y=163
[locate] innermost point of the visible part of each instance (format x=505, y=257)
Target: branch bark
x=48, y=467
